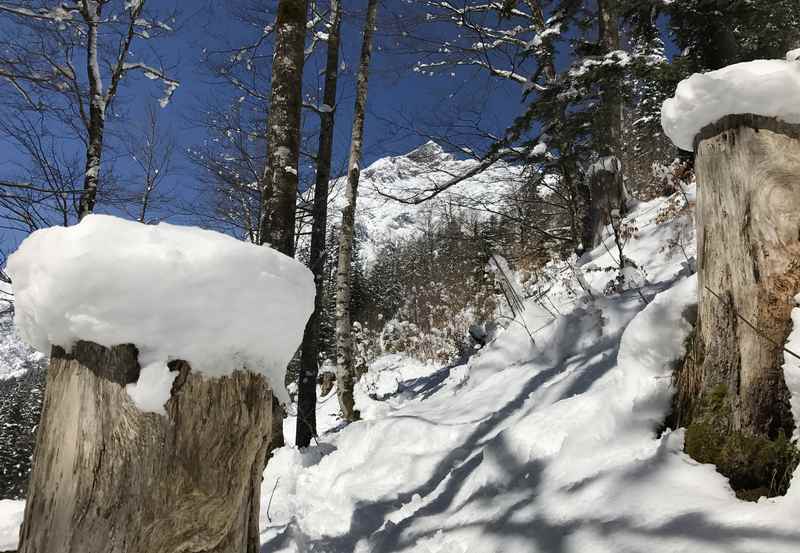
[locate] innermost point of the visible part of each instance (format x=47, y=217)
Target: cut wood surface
x=108, y=478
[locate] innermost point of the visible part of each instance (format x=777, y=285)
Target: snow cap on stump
x=770, y=88
x=175, y=292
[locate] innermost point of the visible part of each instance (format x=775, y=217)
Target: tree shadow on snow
x=370, y=522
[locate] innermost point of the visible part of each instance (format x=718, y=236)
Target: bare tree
x=42, y=188
x=153, y=152
x=309, y=360
x=70, y=51
x=344, y=344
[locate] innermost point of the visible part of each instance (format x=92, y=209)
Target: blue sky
x=403, y=105
x=397, y=96
x=401, y=102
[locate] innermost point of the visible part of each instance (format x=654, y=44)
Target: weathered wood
x=748, y=230
x=604, y=193
x=749, y=249
x=108, y=478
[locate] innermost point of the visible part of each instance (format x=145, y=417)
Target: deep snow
x=553, y=448
x=760, y=87
x=175, y=292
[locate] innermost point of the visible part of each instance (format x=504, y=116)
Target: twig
x=270, y=497
x=755, y=328
x=523, y=325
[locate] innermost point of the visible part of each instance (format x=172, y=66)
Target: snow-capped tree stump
x=109, y=478
x=748, y=222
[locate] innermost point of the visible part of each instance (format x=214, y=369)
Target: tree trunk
x=604, y=190
x=612, y=95
x=307, y=381
x=345, y=371
x=283, y=132
x=97, y=113
x=279, y=189
x=748, y=218
x=108, y=478
x=605, y=194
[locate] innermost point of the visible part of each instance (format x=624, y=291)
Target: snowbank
x=176, y=292
x=762, y=87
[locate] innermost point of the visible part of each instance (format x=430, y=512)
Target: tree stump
x=108, y=478
x=734, y=396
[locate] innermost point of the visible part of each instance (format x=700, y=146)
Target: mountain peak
x=427, y=152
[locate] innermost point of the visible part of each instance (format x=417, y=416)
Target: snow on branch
x=170, y=85
x=58, y=14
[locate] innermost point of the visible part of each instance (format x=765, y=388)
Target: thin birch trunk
x=97, y=111
x=307, y=381
x=344, y=342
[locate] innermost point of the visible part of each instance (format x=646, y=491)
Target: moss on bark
x=755, y=465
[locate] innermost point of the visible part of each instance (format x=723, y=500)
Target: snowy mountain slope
x=15, y=356
x=553, y=447
x=383, y=220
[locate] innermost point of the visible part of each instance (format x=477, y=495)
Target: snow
x=793, y=55
x=384, y=221
x=762, y=87
x=539, y=149
x=152, y=390
x=17, y=357
x=175, y=292
x=532, y=449
x=11, y=513
x=791, y=367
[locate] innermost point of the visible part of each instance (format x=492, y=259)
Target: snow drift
x=175, y=292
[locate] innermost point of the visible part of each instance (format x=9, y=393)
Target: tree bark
x=608, y=27
x=345, y=370
x=97, y=111
x=605, y=194
x=309, y=362
x=108, y=478
x=604, y=190
x=279, y=188
x=748, y=223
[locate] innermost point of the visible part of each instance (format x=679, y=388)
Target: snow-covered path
x=556, y=448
